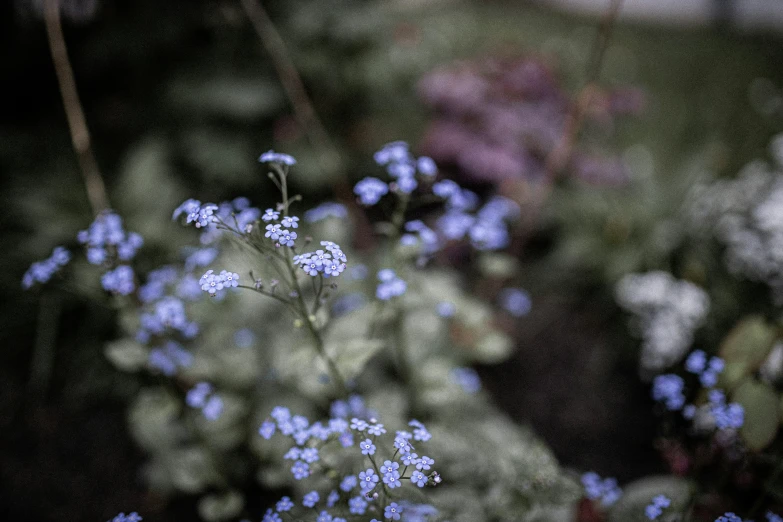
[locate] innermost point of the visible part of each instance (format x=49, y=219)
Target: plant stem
x=77, y=124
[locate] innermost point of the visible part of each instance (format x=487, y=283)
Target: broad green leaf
x=762, y=413
x=214, y=508
x=745, y=348
x=126, y=355
x=353, y=355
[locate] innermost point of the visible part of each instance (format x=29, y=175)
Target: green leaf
x=637, y=495
x=762, y=413
x=745, y=349
x=214, y=508
x=351, y=356
x=126, y=355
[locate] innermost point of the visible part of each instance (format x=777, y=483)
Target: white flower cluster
x=668, y=311
x=746, y=215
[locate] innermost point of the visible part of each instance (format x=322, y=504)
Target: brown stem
x=77, y=124
x=292, y=84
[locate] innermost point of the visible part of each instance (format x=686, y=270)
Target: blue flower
x=270, y=215
x=271, y=516
x=446, y=309
x=326, y=210
x=655, y=509
x=424, y=463
x=419, y=479
x=668, y=388
x=403, y=445
x=370, y=190
x=271, y=156
x=310, y=499
x=410, y=459
x=348, y=483
x=390, y=285
x=772, y=517
x=392, y=511
x=42, y=271
x=169, y=358
x=368, y=479
x=286, y=238
x=310, y=455
x=284, y=504
x=467, y=378
x=290, y=222
x=728, y=517
x=515, y=301
x=300, y=470
x=606, y=490
x=266, y=430
x=213, y=408
x=420, y=432
x=696, y=362
x=332, y=499
x=367, y=447
x=376, y=429
x=359, y=424
x=324, y=516
x=426, y=166
x=280, y=413
x=122, y=517
x=213, y=283
x=121, y=280
x=393, y=152
x=357, y=506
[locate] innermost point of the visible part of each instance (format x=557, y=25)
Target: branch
x=294, y=88
x=77, y=125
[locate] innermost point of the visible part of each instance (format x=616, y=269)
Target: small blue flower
x=310, y=499
x=606, y=490
x=419, y=479
x=121, y=280
x=271, y=516
x=359, y=424
x=655, y=509
x=271, y=156
x=370, y=190
x=273, y=231
x=357, y=506
x=280, y=413
x=332, y=499
x=772, y=517
x=300, y=470
x=696, y=362
x=284, y=504
x=728, y=517
x=376, y=429
x=668, y=388
x=368, y=479
x=310, y=455
x=392, y=511
x=424, y=463
x=270, y=215
x=515, y=301
x=286, y=238
x=390, y=285
x=426, y=166
x=403, y=445
x=467, y=378
x=326, y=210
x=348, y=483
x=290, y=222
x=367, y=447
x=445, y=309
x=393, y=152
x=213, y=408
x=324, y=516
x=122, y=517
x=420, y=432
x=42, y=271
x=410, y=459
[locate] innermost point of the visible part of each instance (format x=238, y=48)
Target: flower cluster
x=42, y=271
x=355, y=493
x=707, y=371
x=487, y=229
x=656, y=507
x=213, y=283
x=668, y=310
x=271, y=156
x=236, y=215
x=606, y=490
x=326, y=210
x=669, y=388
x=106, y=239
x=467, y=379
x=390, y=285
x=121, y=280
x=330, y=262
x=202, y=397
x=169, y=358
x=130, y=517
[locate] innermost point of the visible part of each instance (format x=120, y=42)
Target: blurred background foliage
x=181, y=97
